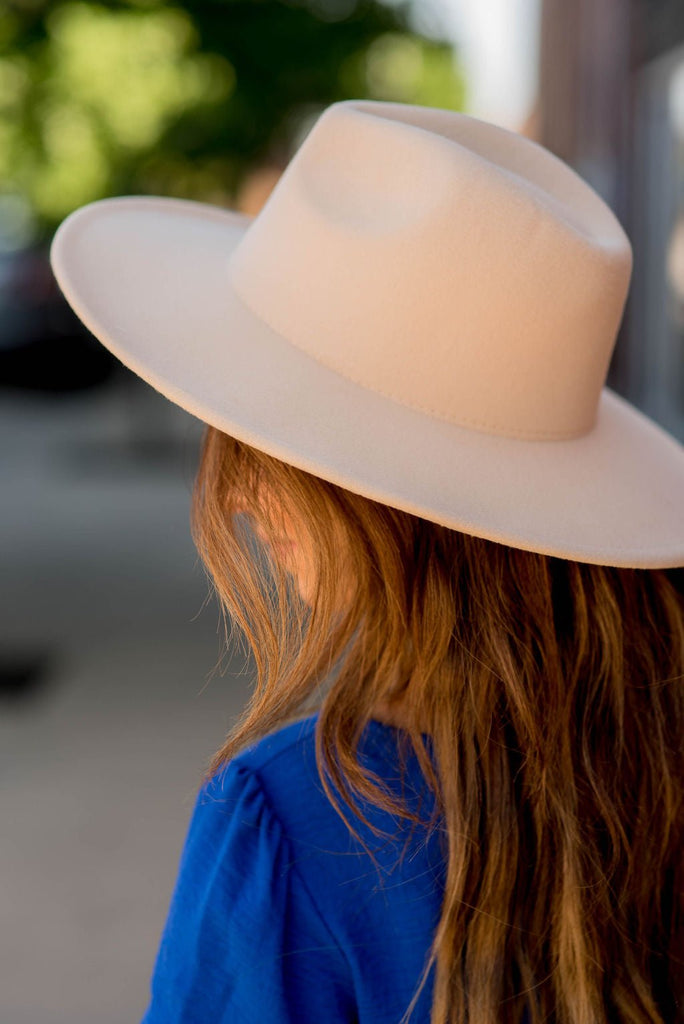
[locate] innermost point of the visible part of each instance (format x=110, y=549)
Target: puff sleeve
x=244, y=941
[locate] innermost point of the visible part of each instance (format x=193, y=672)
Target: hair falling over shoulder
x=553, y=693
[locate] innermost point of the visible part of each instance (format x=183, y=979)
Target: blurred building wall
x=611, y=104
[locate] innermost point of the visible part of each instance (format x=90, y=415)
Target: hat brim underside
x=148, y=277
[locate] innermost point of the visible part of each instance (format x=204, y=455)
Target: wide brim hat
x=423, y=312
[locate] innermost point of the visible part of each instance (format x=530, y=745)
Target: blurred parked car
x=43, y=344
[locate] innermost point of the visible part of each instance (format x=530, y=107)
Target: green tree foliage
x=144, y=97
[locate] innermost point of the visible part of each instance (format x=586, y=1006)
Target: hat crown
x=454, y=266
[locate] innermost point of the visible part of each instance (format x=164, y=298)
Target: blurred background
x=113, y=693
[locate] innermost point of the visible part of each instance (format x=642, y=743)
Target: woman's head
x=552, y=693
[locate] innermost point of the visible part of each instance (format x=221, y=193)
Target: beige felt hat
x=423, y=312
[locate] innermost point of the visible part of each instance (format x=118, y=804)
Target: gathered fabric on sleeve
x=244, y=940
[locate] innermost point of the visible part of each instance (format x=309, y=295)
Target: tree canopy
x=145, y=97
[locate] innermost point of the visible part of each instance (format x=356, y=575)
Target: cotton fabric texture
x=423, y=312
x=280, y=916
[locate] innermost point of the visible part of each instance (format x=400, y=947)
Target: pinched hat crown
x=444, y=262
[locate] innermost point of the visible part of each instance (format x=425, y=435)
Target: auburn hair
x=552, y=694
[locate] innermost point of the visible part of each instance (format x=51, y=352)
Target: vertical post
x=585, y=110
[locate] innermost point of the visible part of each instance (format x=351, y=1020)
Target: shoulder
x=278, y=765
x=284, y=762
x=277, y=778
x=284, y=745
x=294, y=745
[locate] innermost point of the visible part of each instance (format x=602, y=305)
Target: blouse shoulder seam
x=293, y=866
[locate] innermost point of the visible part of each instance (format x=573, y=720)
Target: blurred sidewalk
x=100, y=764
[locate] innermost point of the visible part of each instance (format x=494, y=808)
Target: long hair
x=552, y=692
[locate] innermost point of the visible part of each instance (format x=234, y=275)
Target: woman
x=457, y=791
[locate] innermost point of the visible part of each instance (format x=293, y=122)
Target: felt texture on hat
x=148, y=277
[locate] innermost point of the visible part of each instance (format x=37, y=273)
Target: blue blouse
x=279, y=916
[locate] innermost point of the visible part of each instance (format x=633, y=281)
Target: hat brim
x=148, y=277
